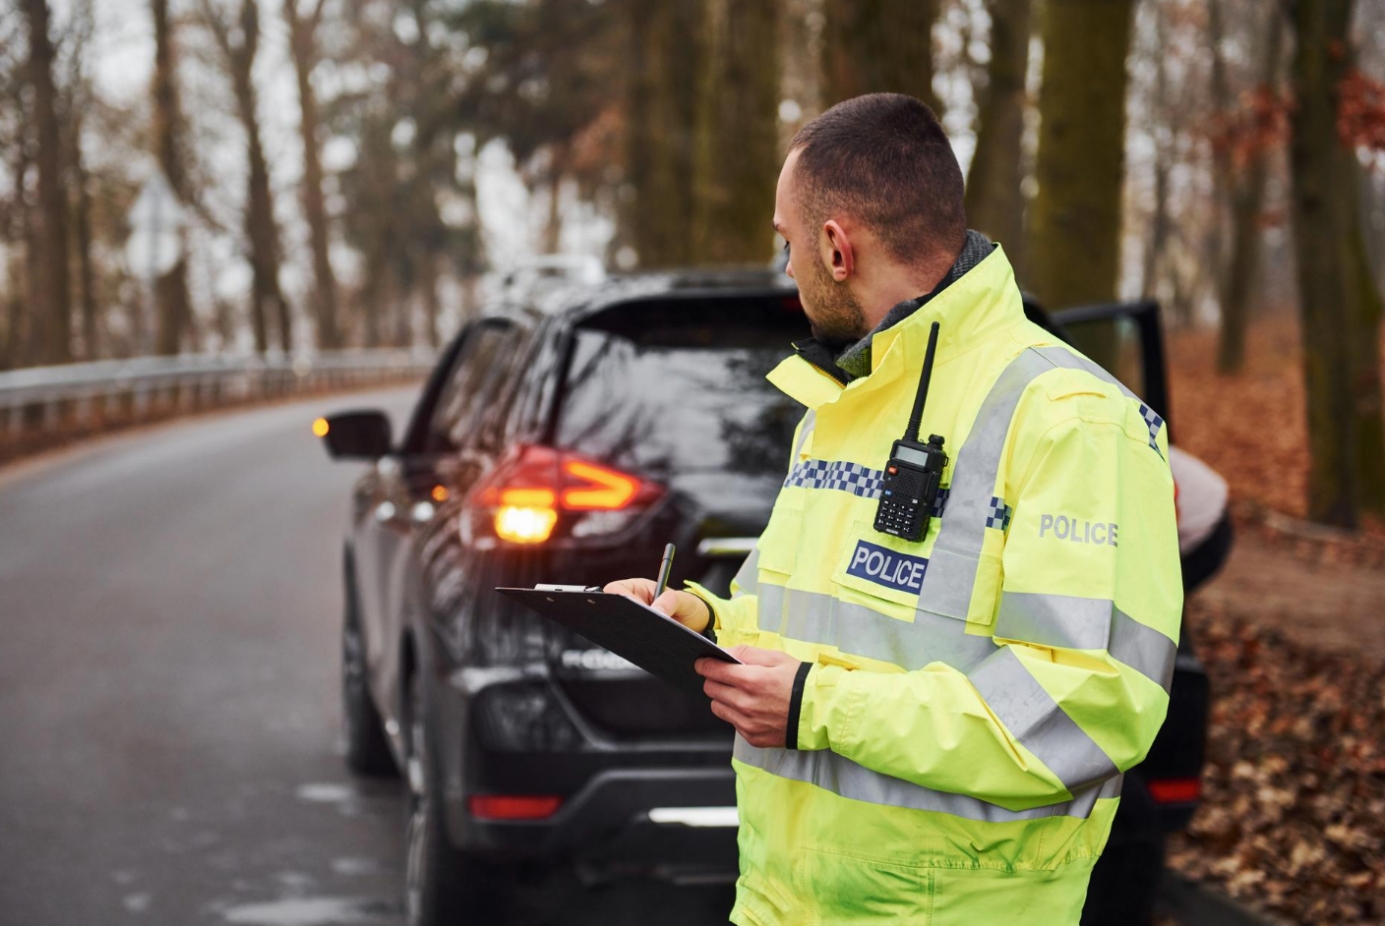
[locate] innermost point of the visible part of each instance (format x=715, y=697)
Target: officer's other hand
x=753, y=698
x=688, y=610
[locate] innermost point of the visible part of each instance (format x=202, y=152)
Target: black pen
x=665, y=567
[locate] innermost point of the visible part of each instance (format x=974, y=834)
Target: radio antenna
x=912, y=433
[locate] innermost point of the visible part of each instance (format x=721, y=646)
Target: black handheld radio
x=915, y=471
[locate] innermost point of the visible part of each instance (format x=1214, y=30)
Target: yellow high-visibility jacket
x=973, y=698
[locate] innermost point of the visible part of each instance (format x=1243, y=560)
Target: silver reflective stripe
x=843, y=777
x=861, y=631
x=952, y=565
x=1054, y=620
x=1022, y=705
x=951, y=571
x=1143, y=649
x=1031, y=715
x=810, y=421
x=1086, y=623
x=1062, y=357
x=748, y=576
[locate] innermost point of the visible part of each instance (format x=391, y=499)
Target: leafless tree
x=1339, y=304
x=737, y=133
x=238, y=41
x=304, y=25
x=879, y=46
x=665, y=57
x=1073, y=248
x=1242, y=173
x=49, y=289
x=994, y=202
x=175, y=319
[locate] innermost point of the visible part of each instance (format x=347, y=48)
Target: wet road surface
x=169, y=720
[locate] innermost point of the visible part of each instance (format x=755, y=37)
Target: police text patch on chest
x=889, y=568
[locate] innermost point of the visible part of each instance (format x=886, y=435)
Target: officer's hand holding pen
x=687, y=609
x=754, y=697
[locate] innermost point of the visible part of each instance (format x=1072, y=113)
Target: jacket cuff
x=711, y=601
x=796, y=705
x=821, y=707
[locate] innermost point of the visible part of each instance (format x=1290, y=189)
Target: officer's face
x=833, y=311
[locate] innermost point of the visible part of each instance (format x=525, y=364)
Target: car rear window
x=680, y=386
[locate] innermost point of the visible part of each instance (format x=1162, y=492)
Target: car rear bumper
x=608, y=786
x=676, y=823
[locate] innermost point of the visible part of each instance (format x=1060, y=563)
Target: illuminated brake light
x=514, y=807
x=525, y=525
x=608, y=490
x=1176, y=790
x=524, y=499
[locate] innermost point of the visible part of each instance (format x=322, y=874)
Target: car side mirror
x=359, y=435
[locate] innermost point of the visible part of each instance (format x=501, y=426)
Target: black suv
x=565, y=437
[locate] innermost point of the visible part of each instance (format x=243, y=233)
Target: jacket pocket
x=880, y=572
x=976, y=605
x=847, y=890
x=778, y=544
x=889, y=575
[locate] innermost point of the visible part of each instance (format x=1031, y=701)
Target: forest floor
x=1293, y=636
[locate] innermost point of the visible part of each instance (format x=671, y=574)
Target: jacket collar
x=981, y=303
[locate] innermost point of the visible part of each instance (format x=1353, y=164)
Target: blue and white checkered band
x=940, y=502
x=999, y=518
x=1154, y=423
x=846, y=477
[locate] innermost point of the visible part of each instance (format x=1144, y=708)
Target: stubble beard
x=834, y=315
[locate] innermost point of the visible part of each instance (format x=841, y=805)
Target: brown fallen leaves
x=1293, y=818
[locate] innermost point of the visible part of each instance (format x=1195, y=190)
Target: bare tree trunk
x=1073, y=248
x=1245, y=194
x=872, y=46
x=239, y=52
x=737, y=140
x=404, y=314
x=553, y=226
x=50, y=290
x=994, y=202
x=303, y=45
x=374, y=298
x=86, y=271
x=77, y=102
x=1159, y=226
x=1339, y=305
x=19, y=272
x=30, y=344
x=1159, y=222
x=432, y=304
x=1364, y=294
x=665, y=62
x=171, y=291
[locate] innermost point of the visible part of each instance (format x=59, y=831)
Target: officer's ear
x=837, y=254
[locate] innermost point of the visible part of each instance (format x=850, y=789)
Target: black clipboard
x=650, y=639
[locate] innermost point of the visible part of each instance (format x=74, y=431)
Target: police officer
x=934, y=730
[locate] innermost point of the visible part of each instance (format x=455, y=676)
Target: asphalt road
x=169, y=720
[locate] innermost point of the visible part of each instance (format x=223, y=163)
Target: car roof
x=573, y=302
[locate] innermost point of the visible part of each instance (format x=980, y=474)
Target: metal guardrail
x=84, y=397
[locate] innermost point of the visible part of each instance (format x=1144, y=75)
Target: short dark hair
x=884, y=159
